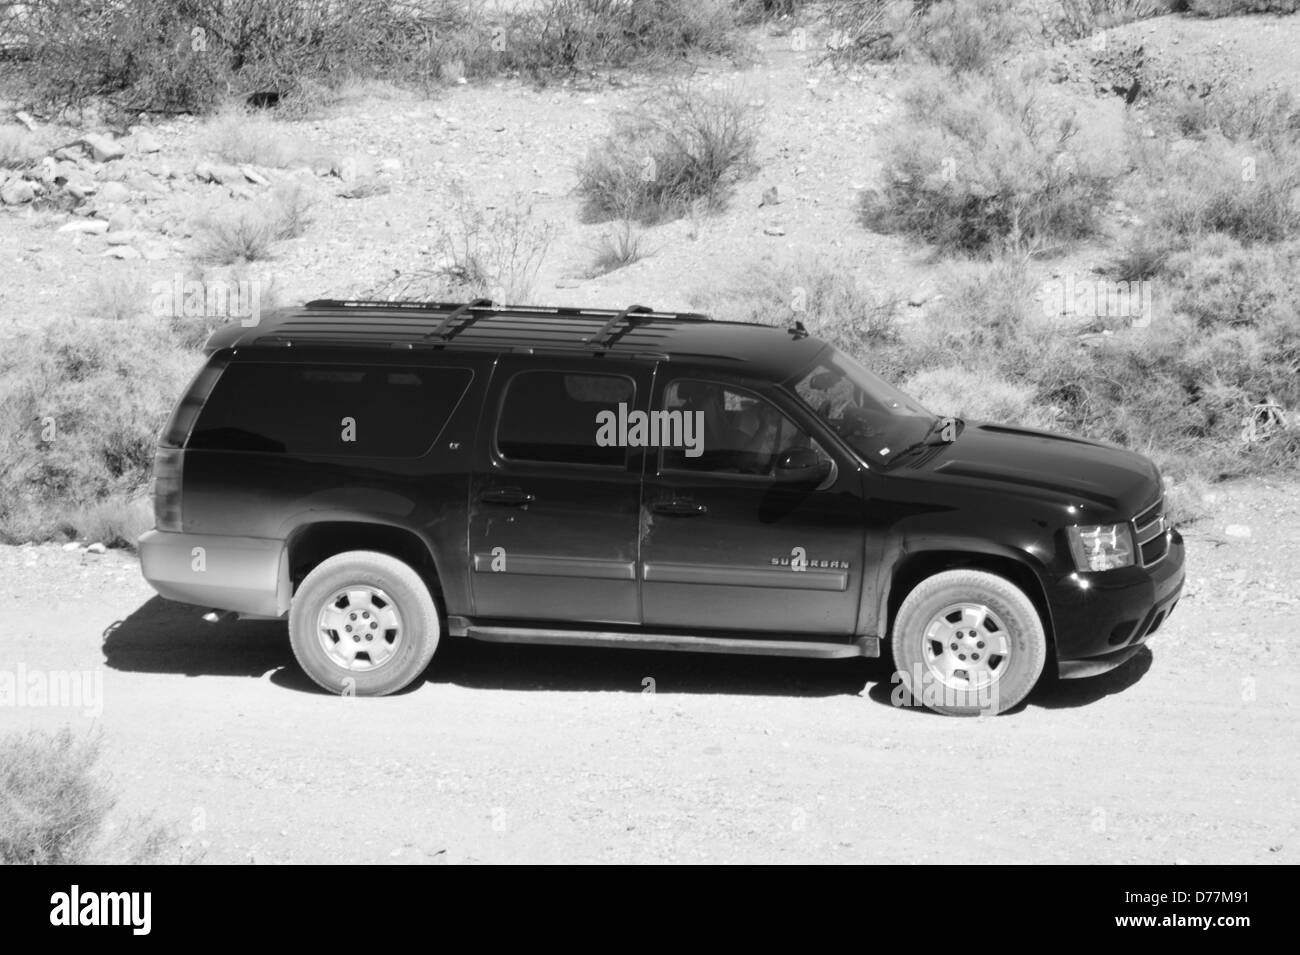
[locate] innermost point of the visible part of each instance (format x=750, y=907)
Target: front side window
x=551, y=416
x=729, y=430
x=873, y=417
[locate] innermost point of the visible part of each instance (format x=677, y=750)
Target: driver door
x=726, y=544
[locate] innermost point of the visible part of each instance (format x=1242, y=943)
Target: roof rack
x=447, y=328
x=610, y=332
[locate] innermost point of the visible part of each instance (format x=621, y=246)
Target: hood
x=1050, y=466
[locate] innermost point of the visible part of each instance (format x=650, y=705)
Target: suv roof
x=479, y=325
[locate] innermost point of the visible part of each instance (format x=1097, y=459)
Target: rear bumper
x=1102, y=620
x=244, y=574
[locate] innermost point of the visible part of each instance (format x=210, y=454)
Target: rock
x=85, y=226
x=26, y=120
x=122, y=238
x=771, y=197
x=120, y=220
x=153, y=251
x=145, y=143
x=773, y=230
x=113, y=173
x=16, y=192
x=96, y=548
x=241, y=192
x=220, y=173
x=67, y=154
x=567, y=283
x=253, y=176
x=72, y=545
x=352, y=168
x=121, y=252
x=114, y=192
x=1237, y=530
x=146, y=185
x=103, y=148
x=391, y=166
x=80, y=186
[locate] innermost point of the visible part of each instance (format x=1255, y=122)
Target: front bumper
x=244, y=574
x=1101, y=620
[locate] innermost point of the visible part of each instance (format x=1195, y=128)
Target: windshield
x=873, y=417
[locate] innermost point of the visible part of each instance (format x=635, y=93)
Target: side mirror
x=801, y=466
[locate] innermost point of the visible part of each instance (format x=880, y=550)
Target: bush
x=559, y=36
x=492, y=254
x=82, y=402
x=981, y=165
x=1071, y=20
x=824, y=294
x=620, y=247
x=1248, y=191
x=960, y=35
x=688, y=145
x=53, y=811
x=1235, y=8
x=244, y=232
x=240, y=136
x=963, y=392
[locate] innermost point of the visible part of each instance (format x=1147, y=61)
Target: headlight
x=1101, y=546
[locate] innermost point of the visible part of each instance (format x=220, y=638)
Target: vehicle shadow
x=162, y=636
x=1051, y=693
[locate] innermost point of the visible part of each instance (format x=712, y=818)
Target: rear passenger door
x=553, y=511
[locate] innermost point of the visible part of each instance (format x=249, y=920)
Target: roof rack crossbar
x=463, y=314
x=611, y=331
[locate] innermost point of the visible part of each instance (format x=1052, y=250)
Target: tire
x=395, y=624
x=968, y=680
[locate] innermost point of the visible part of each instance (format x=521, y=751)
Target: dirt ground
x=542, y=754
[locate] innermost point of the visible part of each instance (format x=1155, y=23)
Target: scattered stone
x=72, y=545
x=96, y=548
x=16, y=192
x=119, y=220
x=67, y=154
x=771, y=197
x=114, y=192
x=1237, y=530
x=122, y=238
x=103, y=148
x=241, y=192
x=26, y=120
x=85, y=226
x=153, y=251
x=391, y=165
x=253, y=176
x=145, y=143
x=773, y=230
x=147, y=185
x=567, y=283
x=121, y=252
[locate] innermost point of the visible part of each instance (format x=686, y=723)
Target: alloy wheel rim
x=966, y=646
x=359, y=628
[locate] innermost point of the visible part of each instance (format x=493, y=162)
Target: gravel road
x=534, y=754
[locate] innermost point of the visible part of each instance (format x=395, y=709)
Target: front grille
x=1150, y=527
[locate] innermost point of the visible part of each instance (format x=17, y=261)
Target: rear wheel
x=363, y=623
x=967, y=642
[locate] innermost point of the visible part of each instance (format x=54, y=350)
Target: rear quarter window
x=344, y=409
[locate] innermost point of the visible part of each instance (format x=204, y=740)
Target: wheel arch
x=310, y=544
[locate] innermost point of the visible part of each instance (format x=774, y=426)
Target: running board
x=641, y=640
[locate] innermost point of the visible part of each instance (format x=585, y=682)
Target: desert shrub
x=1268, y=116
x=242, y=136
x=982, y=165
x=559, y=36
x=1078, y=19
x=82, y=402
x=961, y=35
x=1235, y=8
x=54, y=809
x=491, y=253
x=244, y=232
x=619, y=247
x=1218, y=282
x=824, y=294
x=964, y=392
x=1245, y=190
x=688, y=145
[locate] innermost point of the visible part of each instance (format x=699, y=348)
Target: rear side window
x=551, y=416
x=363, y=410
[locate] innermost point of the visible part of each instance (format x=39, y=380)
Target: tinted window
x=369, y=410
x=551, y=416
x=733, y=430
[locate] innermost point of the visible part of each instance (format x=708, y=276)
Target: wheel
x=363, y=624
x=967, y=642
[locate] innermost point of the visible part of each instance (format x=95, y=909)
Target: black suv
x=384, y=473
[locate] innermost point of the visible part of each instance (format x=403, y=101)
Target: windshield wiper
x=931, y=438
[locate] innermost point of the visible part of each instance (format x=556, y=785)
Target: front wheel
x=967, y=642
x=364, y=624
